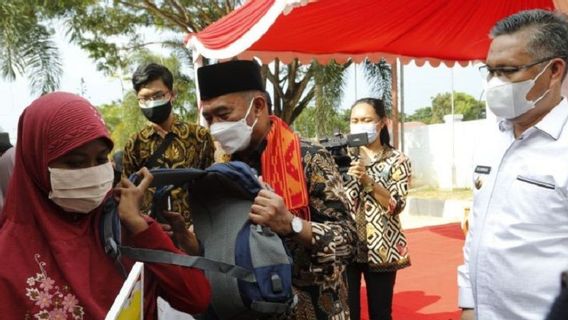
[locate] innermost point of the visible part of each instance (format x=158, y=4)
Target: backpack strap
x=161, y=256
x=266, y=307
x=110, y=235
x=152, y=161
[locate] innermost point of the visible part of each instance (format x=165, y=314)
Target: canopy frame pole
x=394, y=103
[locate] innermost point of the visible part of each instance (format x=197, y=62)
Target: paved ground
x=412, y=221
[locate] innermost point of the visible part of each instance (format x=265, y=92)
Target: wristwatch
x=297, y=225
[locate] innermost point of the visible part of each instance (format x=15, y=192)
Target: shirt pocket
x=537, y=199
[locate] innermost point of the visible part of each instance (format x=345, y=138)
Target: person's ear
x=259, y=105
x=557, y=69
x=174, y=95
x=382, y=123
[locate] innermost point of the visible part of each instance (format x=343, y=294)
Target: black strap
x=152, y=161
x=116, y=251
x=161, y=256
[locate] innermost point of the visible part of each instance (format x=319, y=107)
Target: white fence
x=440, y=158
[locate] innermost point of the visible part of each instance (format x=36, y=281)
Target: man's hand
x=468, y=314
x=130, y=198
x=269, y=210
x=184, y=238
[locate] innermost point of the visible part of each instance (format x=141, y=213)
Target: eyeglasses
x=156, y=96
x=488, y=72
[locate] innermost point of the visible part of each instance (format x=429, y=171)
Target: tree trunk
x=318, y=92
x=277, y=99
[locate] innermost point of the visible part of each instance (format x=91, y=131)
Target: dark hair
x=381, y=112
x=548, y=32
x=150, y=72
x=268, y=100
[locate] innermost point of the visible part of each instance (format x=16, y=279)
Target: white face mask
x=80, y=190
x=369, y=128
x=509, y=99
x=233, y=135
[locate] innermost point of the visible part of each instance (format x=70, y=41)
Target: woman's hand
x=358, y=171
x=183, y=237
x=130, y=197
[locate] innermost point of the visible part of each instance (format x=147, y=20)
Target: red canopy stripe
x=436, y=30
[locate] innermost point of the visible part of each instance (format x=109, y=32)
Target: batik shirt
x=192, y=147
x=318, y=276
x=381, y=243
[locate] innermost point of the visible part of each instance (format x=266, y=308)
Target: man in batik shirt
x=304, y=198
x=191, y=145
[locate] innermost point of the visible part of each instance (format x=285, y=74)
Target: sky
x=420, y=85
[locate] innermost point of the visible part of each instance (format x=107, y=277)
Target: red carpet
x=427, y=290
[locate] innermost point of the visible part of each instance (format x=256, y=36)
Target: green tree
x=306, y=124
x=26, y=48
x=423, y=115
x=123, y=118
x=111, y=32
x=292, y=91
x=328, y=89
x=465, y=104
x=324, y=119
x=379, y=76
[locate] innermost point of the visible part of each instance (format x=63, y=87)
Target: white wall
x=430, y=151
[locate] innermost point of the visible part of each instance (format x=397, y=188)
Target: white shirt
x=517, y=244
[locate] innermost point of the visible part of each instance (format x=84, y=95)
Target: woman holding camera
x=376, y=187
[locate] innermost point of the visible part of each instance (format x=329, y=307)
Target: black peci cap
x=227, y=77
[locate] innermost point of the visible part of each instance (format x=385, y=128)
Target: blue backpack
x=248, y=266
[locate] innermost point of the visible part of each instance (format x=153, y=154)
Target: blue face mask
x=369, y=128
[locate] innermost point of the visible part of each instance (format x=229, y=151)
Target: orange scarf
x=282, y=167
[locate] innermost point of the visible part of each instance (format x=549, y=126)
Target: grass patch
x=455, y=194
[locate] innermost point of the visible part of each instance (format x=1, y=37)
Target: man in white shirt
x=517, y=244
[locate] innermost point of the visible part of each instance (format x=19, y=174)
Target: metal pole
x=394, y=70
x=402, y=115
x=198, y=63
x=452, y=128
x=355, y=76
